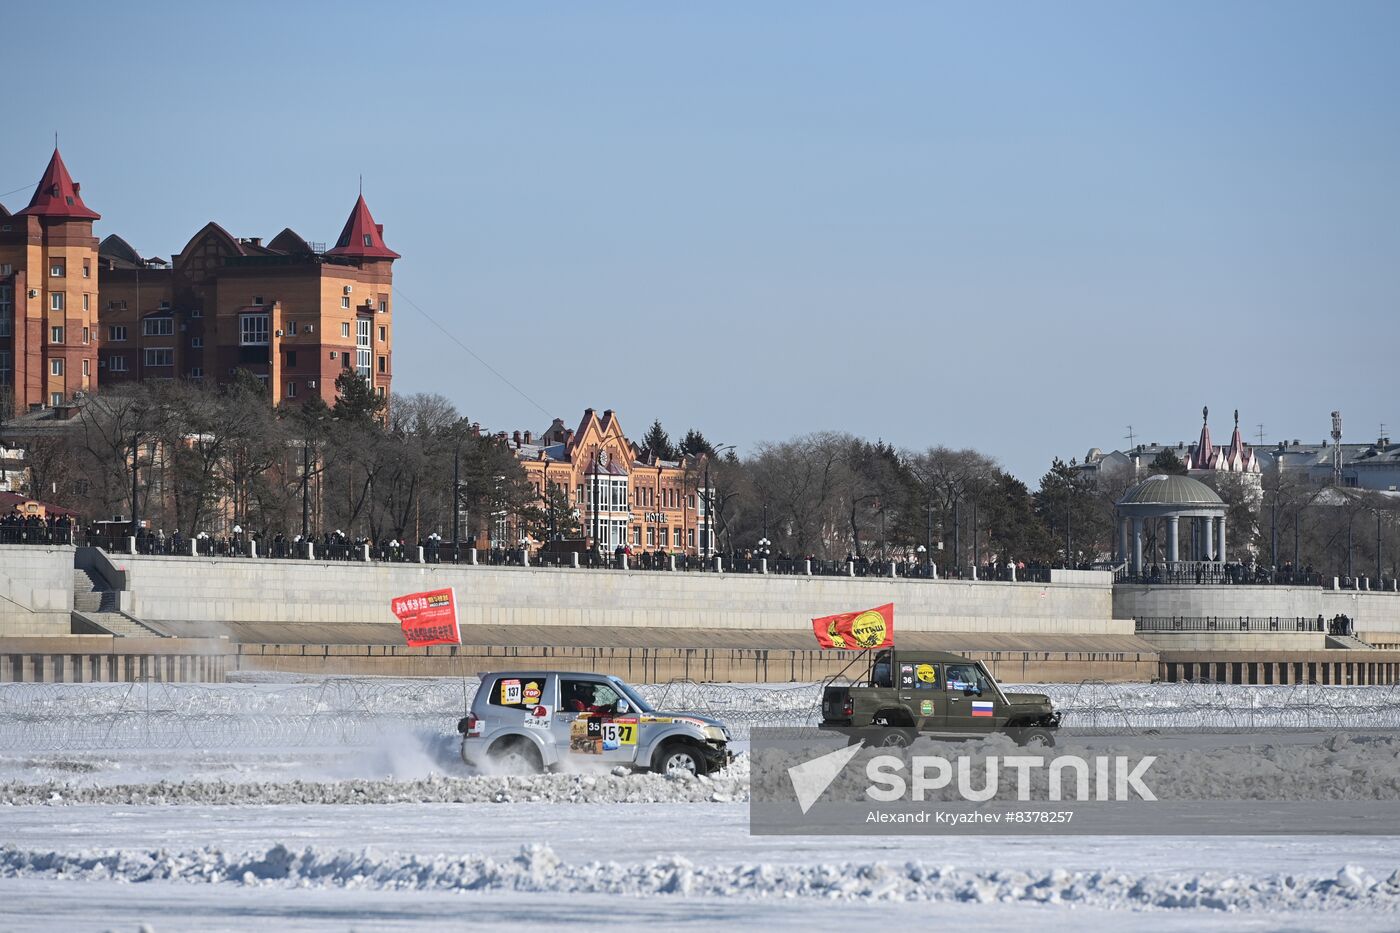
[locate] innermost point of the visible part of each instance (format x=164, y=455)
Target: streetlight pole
x=1378, y=547
x=305, y=490
x=135, y=500
x=928, y=533
x=975, y=549
x=709, y=510
x=1068, y=539
x=957, y=535
x=1273, y=533
x=456, y=499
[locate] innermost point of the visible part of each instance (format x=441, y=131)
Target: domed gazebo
x=1172, y=498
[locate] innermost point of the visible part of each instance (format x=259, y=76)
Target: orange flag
x=857, y=631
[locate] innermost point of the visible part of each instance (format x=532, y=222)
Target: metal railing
x=1203, y=573
x=1229, y=624
x=35, y=533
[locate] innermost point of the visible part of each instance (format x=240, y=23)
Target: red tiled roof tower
x=362, y=238
x=57, y=195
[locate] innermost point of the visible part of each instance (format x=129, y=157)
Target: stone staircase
x=97, y=605
x=1348, y=641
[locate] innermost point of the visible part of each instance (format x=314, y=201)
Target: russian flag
x=981, y=708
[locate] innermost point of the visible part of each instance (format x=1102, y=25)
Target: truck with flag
x=906, y=694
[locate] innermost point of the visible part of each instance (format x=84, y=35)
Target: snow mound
x=538, y=869
x=728, y=786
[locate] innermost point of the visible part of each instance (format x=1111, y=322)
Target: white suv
x=528, y=721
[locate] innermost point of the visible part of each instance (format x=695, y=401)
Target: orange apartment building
x=292, y=313
x=622, y=494
x=48, y=296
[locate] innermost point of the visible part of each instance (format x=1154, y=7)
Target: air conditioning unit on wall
x=349, y=289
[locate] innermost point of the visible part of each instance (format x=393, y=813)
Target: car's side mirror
x=623, y=706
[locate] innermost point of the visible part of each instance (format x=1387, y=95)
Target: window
x=55, y=335
x=292, y=393
x=291, y=358
x=381, y=391
x=651, y=536
x=6, y=269
x=292, y=328
x=586, y=696
x=56, y=301
x=676, y=536
x=690, y=536
x=369, y=240
x=56, y=268
x=383, y=364
x=158, y=326
x=165, y=306
x=257, y=301
x=5, y=366
x=637, y=535
x=196, y=312
x=87, y=269
x=55, y=399
x=383, y=306
x=6, y=328
x=345, y=301
x=381, y=333
x=116, y=332
x=197, y=343
x=55, y=367
x=116, y=305
x=196, y=372
x=117, y=364
x=516, y=692
x=253, y=330
x=87, y=367
x=7, y=301
x=363, y=355
x=159, y=356
x=87, y=302
x=345, y=329
x=86, y=335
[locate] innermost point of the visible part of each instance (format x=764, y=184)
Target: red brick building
x=75, y=316
x=48, y=295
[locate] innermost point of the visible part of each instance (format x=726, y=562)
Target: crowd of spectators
x=20, y=528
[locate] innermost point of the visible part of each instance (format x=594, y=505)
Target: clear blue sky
x=1017, y=227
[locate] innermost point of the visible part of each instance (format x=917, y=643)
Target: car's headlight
x=716, y=734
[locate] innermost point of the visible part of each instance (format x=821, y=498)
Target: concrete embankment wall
x=80, y=659
x=36, y=589
x=214, y=591
x=1376, y=614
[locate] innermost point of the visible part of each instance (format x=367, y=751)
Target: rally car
x=530, y=721
x=934, y=694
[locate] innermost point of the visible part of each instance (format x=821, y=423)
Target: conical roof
x=362, y=238
x=57, y=195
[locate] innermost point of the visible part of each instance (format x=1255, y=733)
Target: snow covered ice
x=321, y=804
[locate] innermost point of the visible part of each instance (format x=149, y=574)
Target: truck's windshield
x=642, y=706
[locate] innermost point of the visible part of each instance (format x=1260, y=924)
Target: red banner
x=857, y=631
x=428, y=618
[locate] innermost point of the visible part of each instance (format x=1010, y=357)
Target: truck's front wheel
x=678, y=757
x=1036, y=738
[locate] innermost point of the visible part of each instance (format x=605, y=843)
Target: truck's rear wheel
x=895, y=738
x=515, y=756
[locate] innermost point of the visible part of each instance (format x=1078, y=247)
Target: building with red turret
x=76, y=315
x=48, y=295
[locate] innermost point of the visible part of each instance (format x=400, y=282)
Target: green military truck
x=907, y=694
